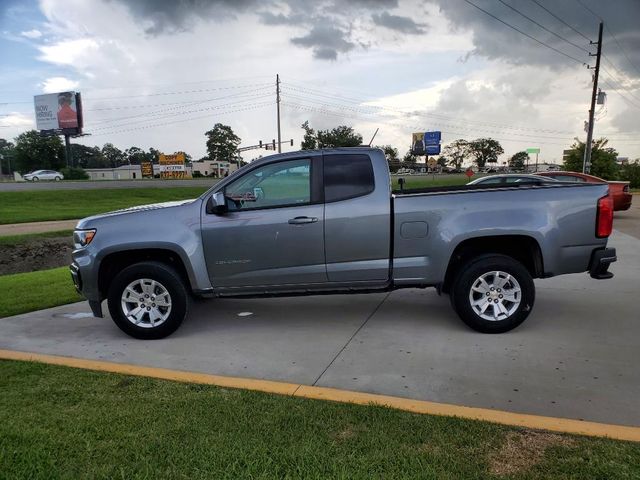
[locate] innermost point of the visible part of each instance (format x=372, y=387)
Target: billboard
x=59, y=111
x=172, y=166
x=417, y=143
x=146, y=169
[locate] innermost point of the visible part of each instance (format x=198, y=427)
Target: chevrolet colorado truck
x=327, y=221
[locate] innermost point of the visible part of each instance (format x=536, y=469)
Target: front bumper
x=76, y=277
x=600, y=261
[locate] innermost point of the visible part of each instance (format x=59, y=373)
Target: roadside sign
x=432, y=163
x=533, y=150
x=469, y=173
x=432, y=149
x=147, y=169
x=432, y=138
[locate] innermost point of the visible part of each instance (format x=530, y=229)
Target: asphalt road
x=88, y=185
x=576, y=356
x=628, y=221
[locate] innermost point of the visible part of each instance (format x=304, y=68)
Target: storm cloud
x=398, y=23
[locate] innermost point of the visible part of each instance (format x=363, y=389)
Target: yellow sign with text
x=173, y=166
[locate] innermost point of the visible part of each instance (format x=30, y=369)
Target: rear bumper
x=600, y=261
x=622, y=202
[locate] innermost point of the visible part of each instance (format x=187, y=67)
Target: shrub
x=74, y=173
x=631, y=173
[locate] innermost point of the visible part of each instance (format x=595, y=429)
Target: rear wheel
x=493, y=294
x=148, y=300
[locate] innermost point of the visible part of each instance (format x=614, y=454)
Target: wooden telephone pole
x=586, y=162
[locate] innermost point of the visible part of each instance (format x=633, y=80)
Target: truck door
x=357, y=218
x=273, y=233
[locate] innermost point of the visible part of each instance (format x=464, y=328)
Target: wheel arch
x=114, y=262
x=523, y=248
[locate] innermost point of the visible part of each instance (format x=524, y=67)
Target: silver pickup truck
x=327, y=221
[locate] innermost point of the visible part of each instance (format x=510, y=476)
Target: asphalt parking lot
x=576, y=356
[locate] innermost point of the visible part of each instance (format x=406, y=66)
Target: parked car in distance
x=509, y=178
x=38, y=175
x=619, y=190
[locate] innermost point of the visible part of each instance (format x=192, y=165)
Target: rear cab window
x=347, y=176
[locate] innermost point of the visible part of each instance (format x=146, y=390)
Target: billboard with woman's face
x=58, y=111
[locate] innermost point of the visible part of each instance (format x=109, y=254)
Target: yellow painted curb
x=563, y=425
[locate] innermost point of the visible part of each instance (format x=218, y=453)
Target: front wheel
x=148, y=300
x=35, y=179
x=57, y=179
x=493, y=294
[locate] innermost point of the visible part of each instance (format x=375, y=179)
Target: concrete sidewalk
x=576, y=356
x=36, y=227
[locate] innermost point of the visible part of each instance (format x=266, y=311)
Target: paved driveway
x=577, y=356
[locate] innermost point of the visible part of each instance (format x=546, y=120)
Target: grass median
x=26, y=292
x=59, y=422
x=44, y=205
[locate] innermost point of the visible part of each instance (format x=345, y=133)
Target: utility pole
x=68, y=153
x=586, y=162
x=278, y=107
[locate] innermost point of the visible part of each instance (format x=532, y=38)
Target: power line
x=543, y=27
x=181, y=105
x=254, y=107
x=624, y=52
x=526, y=34
x=591, y=11
x=561, y=20
x=144, y=95
x=216, y=107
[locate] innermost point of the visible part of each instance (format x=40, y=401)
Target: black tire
x=169, y=279
x=57, y=179
x=35, y=179
x=471, y=273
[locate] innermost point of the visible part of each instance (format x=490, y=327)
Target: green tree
x=442, y=161
x=341, y=136
x=87, y=157
x=631, y=173
x=485, y=150
x=603, y=159
x=392, y=156
x=457, y=152
x=7, y=156
x=135, y=156
x=309, y=141
x=409, y=158
x=222, y=143
x=113, y=156
x=518, y=160
x=34, y=151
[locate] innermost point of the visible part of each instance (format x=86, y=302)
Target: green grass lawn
x=26, y=292
x=423, y=181
x=43, y=205
x=59, y=422
x=29, y=237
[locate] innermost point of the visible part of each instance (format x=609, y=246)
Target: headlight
x=82, y=238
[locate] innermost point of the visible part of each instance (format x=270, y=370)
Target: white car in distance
x=38, y=175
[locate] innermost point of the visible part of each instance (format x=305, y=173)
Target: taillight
x=604, y=221
x=625, y=189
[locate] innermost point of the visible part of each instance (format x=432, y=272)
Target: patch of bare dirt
x=35, y=254
x=522, y=450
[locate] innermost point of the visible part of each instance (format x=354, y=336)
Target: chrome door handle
x=302, y=220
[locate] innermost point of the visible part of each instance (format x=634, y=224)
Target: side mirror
x=217, y=204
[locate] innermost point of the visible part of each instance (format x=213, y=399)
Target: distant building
x=125, y=172
x=213, y=168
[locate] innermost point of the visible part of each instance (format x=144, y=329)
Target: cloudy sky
x=161, y=72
